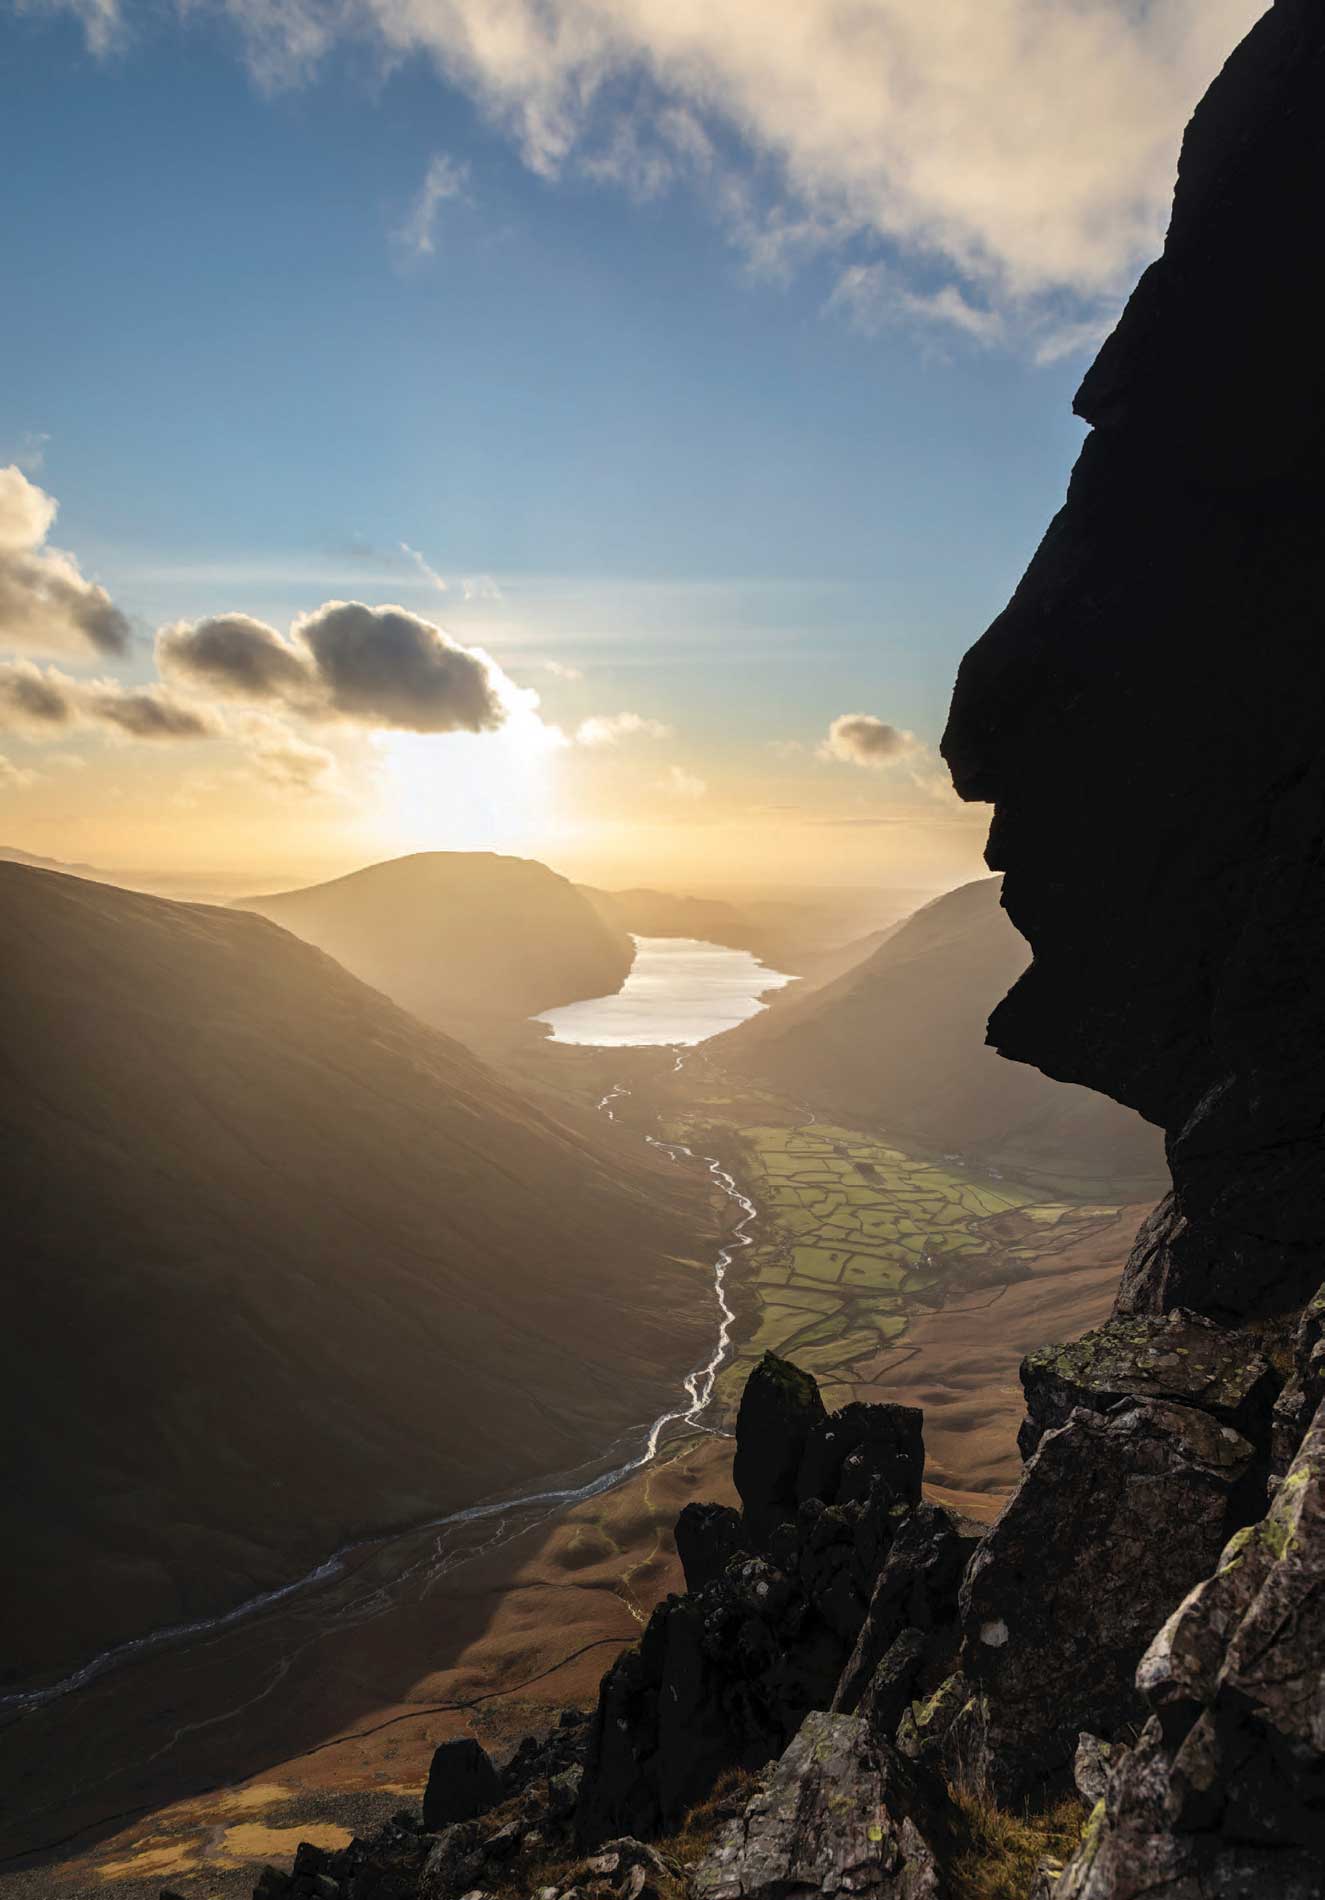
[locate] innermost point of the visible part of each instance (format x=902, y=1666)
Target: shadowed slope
x=284, y=1265
x=898, y=1041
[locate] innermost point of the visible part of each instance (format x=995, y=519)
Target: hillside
x=284, y=1265
x=898, y=1042
x=460, y=935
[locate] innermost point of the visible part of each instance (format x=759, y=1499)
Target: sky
x=592, y=429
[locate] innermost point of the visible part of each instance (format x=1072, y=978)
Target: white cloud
x=873, y=297
x=46, y=605
x=101, y=20
x=609, y=729
x=443, y=179
x=560, y=671
x=1027, y=144
x=861, y=739
x=682, y=784
x=14, y=777
x=429, y=574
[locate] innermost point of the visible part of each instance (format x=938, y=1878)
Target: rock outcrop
x=840, y=1814
x=1146, y=713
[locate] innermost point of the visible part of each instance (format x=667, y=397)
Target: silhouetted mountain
x=459, y=935
x=898, y=1041
x=284, y=1265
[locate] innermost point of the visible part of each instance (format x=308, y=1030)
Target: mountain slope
x=285, y=1265
x=899, y=1041
x=454, y=935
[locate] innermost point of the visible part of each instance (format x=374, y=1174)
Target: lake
x=679, y=991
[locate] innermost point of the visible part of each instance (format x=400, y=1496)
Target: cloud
x=378, y=666
x=873, y=298
x=560, y=671
x=1028, y=145
x=443, y=179
x=285, y=760
x=46, y=605
x=609, y=729
x=861, y=739
x=42, y=703
x=101, y=20
x=429, y=573
x=682, y=784
x=14, y=777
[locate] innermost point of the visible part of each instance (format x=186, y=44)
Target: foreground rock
x=462, y=1783
x=1224, y=1794
x=724, y=1676
x=841, y=1813
x=1117, y=1516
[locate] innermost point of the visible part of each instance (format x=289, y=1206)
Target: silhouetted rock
x=841, y=1813
x=1115, y=1519
x=916, y=1589
x=1180, y=1358
x=1146, y=713
x=462, y=1783
x=780, y=1407
x=708, y=1536
x=850, y=1452
x=889, y=1691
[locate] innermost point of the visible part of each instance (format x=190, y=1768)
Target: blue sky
x=682, y=425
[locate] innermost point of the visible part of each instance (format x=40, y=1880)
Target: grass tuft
x=998, y=1852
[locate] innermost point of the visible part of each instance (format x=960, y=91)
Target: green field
x=855, y=1238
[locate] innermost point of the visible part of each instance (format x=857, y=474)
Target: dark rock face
x=462, y=1783
x=1224, y=1793
x=1181, y=1358
x=1298, y=1402
x=840, y=1814
x=1117, y=1516
x=724, y=1677
x=917, y=1592
x=780, y=1407
x=708, y=1536
x=1146, y=713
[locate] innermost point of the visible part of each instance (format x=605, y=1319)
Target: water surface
x=679, y=991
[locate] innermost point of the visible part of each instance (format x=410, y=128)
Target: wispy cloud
x=429, y=574
x=612, y=729
x=559, y=670
x=444, y=178
x=679, y=783
x=861, y=739
x=1017, y=150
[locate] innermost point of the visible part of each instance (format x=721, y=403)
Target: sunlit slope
x=283, y=1264
x=899, y=1042
x=455, y=934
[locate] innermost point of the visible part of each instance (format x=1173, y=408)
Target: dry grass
x=705, y=1821
x=997, y=1852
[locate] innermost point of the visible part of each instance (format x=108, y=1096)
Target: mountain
x=813, y=938
x=898, y=1040
x=457, y=936
x=285, y=1266
x=10, y=854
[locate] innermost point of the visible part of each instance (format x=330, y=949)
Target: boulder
x=841, y=1813
x=462, y=1783
x=1181, y=1358
x=708, y=1536
x=1115, y=1518
x=779, y=1409
x=890, y=1689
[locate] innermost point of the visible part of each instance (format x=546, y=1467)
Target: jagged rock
x=272, y=1884
x=1090, y=1766
x=1114, y=1519
x=841, y=1814
x=462, y=1783
x=708, y=1536
x=1146, y=713
x=1224, y=1794
x=888, y=1694
x=864, y=1449
x=541, y=1757
x=723, y=1677
x=917, y=1587
x=780, y=1407
x=454, y=1862
x=1297, y=1403
x=1182, y=1358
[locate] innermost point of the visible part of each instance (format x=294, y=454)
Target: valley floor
x=886, y=1274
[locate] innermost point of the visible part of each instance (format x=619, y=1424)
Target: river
x=680, y=991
